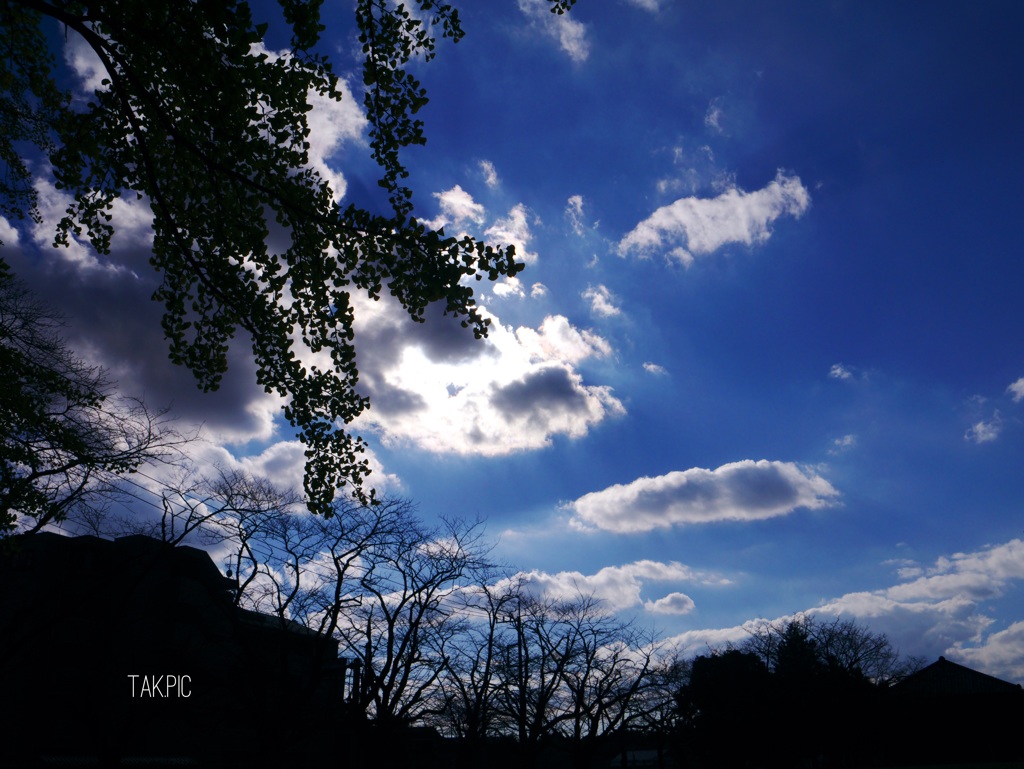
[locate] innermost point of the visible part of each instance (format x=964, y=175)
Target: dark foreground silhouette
x=134, y=652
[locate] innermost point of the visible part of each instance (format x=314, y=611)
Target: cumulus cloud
x=620, y=587
x=673, y=603
x=1001, y=654
x=1016, y=390
x=570, y=34
x=434, y=386
x=740, y=491
x=654, y=368
x=602, y=303
x=457, y=208
x=695, y=226
x=557, y=340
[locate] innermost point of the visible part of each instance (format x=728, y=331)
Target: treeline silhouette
x=371, y=639
x=801, y=693
x=368, y=630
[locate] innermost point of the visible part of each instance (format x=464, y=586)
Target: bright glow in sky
x=766, y=354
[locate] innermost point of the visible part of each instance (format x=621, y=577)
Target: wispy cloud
x=1016, y=390
x=695, y=226
x=490, y=173
x=740, y=491
x=713, y=117
x=985, y=431
x=570, y=34
x=839, y=371
x=654, y=368
x=647, y=5
x=574, y=213
x=839, y=445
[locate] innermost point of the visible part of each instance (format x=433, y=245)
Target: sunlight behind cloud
x=435, y=387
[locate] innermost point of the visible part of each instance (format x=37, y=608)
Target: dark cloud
x=112, y=321
x=386, y=400
x=552, y=388
x=764, y=487
x=443, y=339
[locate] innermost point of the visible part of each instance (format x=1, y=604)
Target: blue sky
x=766, y=354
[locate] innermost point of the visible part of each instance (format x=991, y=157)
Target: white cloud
x=509, y=287
x=490, y=173
x=620, y=587
x=839, y=371
x=602, y=303
x=433, y=386
x=513, y=230
x=936, y=610
x=1017, y=390
x=673, y=603
x=654, y=368
x=84, y=62
x=694, y=226
x=8, y=233
x=538, y=290
x=713, y=117
x=647, y=5
x=985, y=432
x=1001, y=654
x=131, y=219
x=574, y=213
x=570, y=33
x=839, y=445
x=458, y=208
x=557, y=340
x=332, y=122
x=740, y=491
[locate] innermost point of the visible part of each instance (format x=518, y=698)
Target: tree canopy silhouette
x=197, y=115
